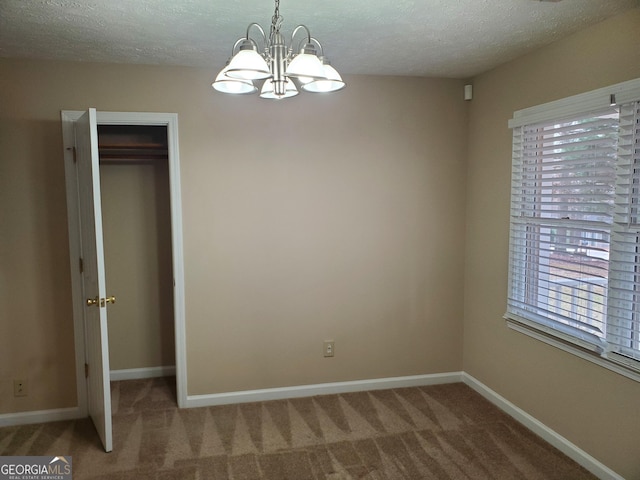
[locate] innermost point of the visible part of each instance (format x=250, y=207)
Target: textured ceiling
x=445, y=38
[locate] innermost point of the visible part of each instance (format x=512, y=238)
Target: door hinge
x=81, y=265
x=86, y=370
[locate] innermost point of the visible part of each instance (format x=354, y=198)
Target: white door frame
x=170, y=120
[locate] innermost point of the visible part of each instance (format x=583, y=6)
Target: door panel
x=94, y=285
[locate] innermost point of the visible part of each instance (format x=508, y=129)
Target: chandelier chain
x=276, y=20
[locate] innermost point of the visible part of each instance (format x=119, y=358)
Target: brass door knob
x=92, y=302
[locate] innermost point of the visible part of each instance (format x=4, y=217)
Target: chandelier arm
x=293, y=34
x=235, y=45
x=261, y=30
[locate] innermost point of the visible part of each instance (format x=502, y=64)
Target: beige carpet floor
x=435, y=432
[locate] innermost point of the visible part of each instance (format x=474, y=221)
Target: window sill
x=593, y=357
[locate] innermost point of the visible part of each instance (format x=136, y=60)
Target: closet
x=136, y=220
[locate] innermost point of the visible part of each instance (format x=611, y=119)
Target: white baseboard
x=320, y=389
x=550, y=436
x=558, y=441
x=40, y=416
x=137, y=373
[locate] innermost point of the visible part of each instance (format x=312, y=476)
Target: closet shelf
x=132, y=153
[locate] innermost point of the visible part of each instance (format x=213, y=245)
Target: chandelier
x=278, y=66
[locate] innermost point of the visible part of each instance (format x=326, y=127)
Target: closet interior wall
x=134, y=178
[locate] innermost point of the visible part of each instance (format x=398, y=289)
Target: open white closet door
x=93, y=277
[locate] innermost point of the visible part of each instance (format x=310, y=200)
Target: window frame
x=618, y=94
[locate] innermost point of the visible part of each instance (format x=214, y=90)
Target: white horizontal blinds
x=624, y=296
x=522, y=246
x=562, y=206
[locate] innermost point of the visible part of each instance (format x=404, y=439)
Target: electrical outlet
x=20, y=388
x=329, y=348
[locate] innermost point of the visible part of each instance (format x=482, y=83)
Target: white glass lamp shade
x=248, y=65
x=268, y=90
x=305, y=66
x=331, y=83
x=224, y=84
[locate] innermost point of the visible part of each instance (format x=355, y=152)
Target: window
x=574, y=255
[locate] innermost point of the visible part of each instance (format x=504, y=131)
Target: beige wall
x=592, y=407
x=322, y=217
x=36, y=329
x=136, y=221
